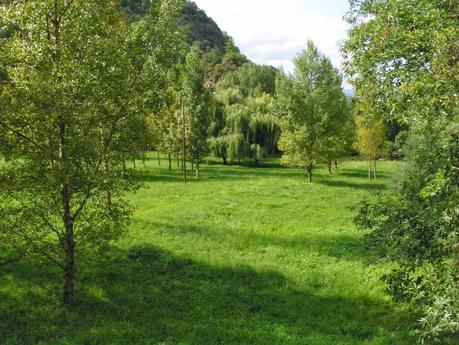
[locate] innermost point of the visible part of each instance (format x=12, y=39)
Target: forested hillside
x=200, y=28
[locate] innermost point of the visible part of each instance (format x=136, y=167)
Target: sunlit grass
x=241, y=256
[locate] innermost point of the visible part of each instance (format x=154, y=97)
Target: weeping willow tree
x=244, y=124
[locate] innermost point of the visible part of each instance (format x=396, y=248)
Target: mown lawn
x=242, y=256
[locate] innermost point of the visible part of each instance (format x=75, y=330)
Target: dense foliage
x=315, y=120
x=404, y=55
x=245, y=123
x=80, y=83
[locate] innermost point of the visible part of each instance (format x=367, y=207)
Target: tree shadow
x=146, y=295
x=222, y=173
x=360, y=173
x=340, y=246
x=369, y=186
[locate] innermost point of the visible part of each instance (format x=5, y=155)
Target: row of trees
x=257, y=111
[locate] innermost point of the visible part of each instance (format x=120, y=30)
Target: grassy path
x=242, y=256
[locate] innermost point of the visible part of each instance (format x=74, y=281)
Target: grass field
x=242, y=256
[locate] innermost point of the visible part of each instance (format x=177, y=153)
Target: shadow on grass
x=231, y=174
x=369, y=186
x=336, y=245
x=145, y=295
x=360, y=173
x=221, y=173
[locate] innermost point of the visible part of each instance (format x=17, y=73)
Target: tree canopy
x=401, y=54
x=313, y=109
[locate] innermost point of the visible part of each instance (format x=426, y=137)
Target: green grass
x=241, y=256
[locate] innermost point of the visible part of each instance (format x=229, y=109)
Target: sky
x=273, y=32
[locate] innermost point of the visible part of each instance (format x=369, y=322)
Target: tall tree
x=196, y=106
x=78, y=77
x=309, y=100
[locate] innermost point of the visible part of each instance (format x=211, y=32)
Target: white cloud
x=274, y=31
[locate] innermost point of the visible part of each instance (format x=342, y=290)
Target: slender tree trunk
x=169, y=156
x=178, y=160
x=309, y=169
x=330, y=172
x=159, y=158
x=369, y=168
x=336, y=166
x=256, y=162
x=183, y=144
x=197, y=170
x=67, y=242
x=374, y=169
x=225, y=162
x=69, y=248
x=109, y=192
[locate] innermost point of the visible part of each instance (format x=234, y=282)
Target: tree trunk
x=225, y=162
x=374, y=169
x=369, y=168
x=183, y=145
x=256, y=162
x=197, y=170
x=67, y=242
x=159, y=158
x=309, y=169
x=69, y=264
x=108, y=191
x=336, y=166
x=330, y=172
x=169, y=156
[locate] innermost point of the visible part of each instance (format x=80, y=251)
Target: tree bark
x=169, y=156
x=69, y=263
x=330, y=172
x=159, y=158
x=67, y=242
x=108, y=191
x=374, y=169
x=197, y=170
x=309, y=169
x=183, y=144
x=369, y=168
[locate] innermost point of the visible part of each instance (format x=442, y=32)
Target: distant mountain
x=201, y=28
